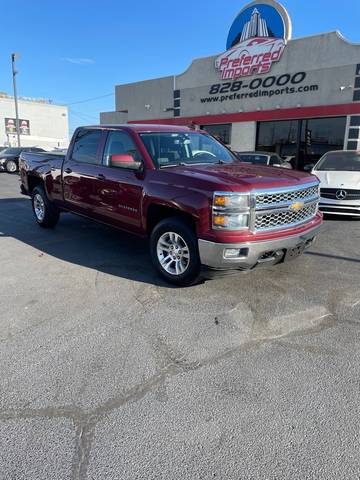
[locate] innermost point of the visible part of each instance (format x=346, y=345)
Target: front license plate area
x=295, y=252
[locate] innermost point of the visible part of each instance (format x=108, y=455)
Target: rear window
x=260, y=159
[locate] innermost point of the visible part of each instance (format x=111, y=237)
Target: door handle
x=68, y=170
x=100, y=176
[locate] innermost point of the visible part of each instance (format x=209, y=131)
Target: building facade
x=42, y=124
x=297, y=97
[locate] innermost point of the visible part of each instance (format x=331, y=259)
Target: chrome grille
x=266, y=200
x=284, y=218
x=331, y=193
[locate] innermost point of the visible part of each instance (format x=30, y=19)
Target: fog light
x=232, y=252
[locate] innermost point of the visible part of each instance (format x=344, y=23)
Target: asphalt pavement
x=109, y=373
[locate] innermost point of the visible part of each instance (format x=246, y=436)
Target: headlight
x=231, y=211
x=2, y=160
x=231, y=200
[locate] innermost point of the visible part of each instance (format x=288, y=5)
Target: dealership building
x=41, y=123
x=297, y=97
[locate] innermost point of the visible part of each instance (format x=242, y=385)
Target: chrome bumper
x=212, y=254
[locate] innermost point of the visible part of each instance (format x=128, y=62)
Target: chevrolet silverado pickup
x=201, y=207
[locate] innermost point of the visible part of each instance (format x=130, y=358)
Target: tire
x=174, y=251
x=11, y=166
x=46, y=214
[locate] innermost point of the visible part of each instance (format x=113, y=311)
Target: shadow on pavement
x=80, y=241
x=335, y=257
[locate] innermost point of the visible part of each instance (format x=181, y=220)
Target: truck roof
x=143, y=127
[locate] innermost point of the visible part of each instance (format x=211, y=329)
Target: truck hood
x=240, y=176
x=339, y=179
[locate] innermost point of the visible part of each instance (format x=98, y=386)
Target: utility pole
x=14, y=56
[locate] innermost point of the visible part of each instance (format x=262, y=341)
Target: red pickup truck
x=202, y=208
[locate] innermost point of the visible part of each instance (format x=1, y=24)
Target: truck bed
x=39, y=165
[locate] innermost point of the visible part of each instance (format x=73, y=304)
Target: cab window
x=120, y=143
x=86, y=146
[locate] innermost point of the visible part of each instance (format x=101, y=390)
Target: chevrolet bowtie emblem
x=296, y=206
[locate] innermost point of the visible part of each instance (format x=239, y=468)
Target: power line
x=90, y=99
x=83, y=116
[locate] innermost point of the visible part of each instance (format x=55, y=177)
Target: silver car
x=263, y=158
x=339, y=174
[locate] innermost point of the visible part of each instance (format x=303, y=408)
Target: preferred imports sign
x=10, y=126
x=257, y=39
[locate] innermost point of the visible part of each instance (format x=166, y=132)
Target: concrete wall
x=328, y=60
x=243, y=136
x=113, y=117
x=148, y=99
x=48, y=123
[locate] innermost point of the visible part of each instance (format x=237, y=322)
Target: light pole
x=14, y=56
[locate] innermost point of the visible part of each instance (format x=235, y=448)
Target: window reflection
x=318, y=136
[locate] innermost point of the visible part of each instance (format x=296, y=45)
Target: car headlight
x=2, y=160
x=230, y=211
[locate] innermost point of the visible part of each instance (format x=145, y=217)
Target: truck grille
x=276, y=198
x=278, y=209
x=269, y=221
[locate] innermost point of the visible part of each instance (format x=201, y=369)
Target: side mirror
x=309, y=167
x=124, y=161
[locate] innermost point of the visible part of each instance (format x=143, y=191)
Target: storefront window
x=318, y=136
x=222, y=132
x=279, y=137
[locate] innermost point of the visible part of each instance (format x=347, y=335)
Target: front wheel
x=46, y=214
x=11, y=166
x=174, y=251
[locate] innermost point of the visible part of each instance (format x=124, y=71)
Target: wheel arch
x=157, y=212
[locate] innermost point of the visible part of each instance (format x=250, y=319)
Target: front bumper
x=212, y=255
x=340, y=207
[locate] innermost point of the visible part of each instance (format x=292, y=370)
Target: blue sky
x=75, y=50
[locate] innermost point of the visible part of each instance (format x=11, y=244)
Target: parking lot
x=109, y=373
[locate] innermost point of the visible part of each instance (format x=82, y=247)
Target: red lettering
x=277, y=54
x=265, y=67
x=247, y=60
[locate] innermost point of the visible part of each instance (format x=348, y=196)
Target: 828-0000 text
x=256, y=83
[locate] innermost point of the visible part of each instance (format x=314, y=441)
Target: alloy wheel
x=39, y=207
x=173, y=253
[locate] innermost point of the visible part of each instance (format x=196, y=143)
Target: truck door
x=119, y=187
x=80, y=171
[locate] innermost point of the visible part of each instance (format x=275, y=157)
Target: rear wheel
x=174, y=251
x=46, y=214
x=11, y=166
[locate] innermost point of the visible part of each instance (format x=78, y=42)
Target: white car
x=339, y=174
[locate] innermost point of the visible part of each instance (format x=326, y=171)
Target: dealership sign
x=257, y=39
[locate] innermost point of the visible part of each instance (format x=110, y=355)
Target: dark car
x=9, y=158
x=263, y=158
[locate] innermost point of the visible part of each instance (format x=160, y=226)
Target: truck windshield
x=342, y=161
x=168, y=149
